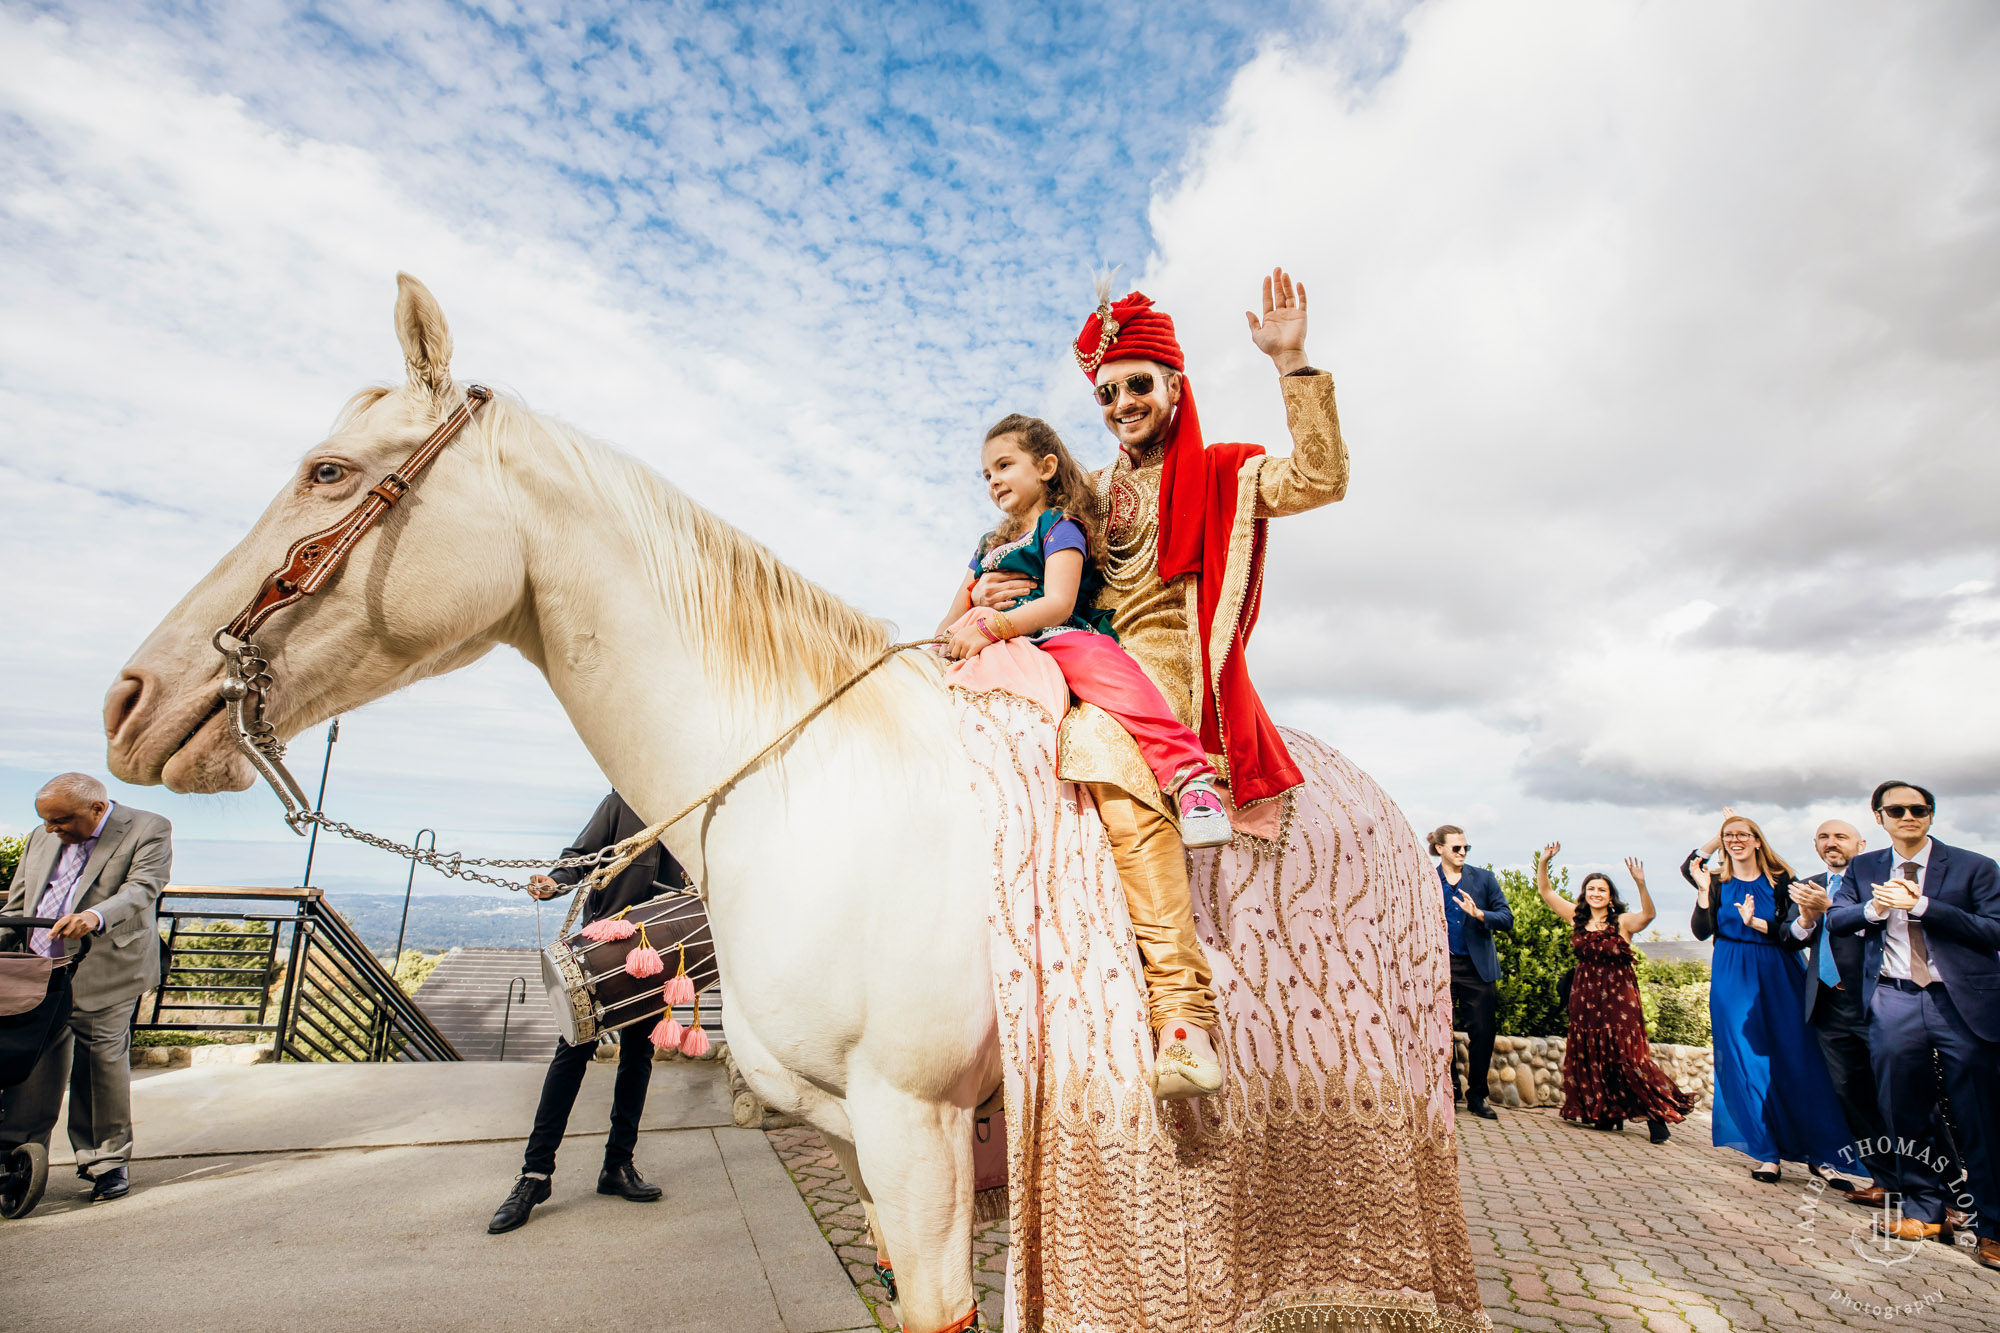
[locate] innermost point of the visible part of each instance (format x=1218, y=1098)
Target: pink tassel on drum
x=644, y=962
x=611, y=928
x=678, y=990
x=668, y=1034
x=695, y=1044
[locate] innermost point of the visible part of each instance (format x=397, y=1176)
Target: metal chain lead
x=455, y=865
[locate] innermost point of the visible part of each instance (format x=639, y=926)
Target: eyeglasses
x=1912, y=811
x=1736, y=837
x=1138, y=386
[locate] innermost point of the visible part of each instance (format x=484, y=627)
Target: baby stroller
x=34, y=1009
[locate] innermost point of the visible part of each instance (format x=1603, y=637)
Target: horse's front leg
x=850, y=1166
x=916, y=1157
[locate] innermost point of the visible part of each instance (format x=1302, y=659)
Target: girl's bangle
x=1006, y=625
x=979, y=623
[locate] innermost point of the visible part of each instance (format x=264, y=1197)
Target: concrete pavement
x=356, y=1197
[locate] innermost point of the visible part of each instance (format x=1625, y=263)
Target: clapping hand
x=1896, y=895
x=1812, y=901
x=1703, y=880
x=1465, y=904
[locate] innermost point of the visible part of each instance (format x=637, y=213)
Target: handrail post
x=416, y=844
x=507, y=1014
x=294, y=959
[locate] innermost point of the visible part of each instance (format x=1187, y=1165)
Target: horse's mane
x=767, y=631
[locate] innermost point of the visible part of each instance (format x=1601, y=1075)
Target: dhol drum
x=590, y=987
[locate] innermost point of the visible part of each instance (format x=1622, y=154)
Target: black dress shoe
x=624, y=1181
x=528, y=1191
x=113, y=1184
x=1482, y=1110
x=1658, y=1130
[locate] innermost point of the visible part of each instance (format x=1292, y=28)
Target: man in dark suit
x=96, y=868
x=1474, y=907
x=1833, y=990
x=655, y=872
x=1929, y=918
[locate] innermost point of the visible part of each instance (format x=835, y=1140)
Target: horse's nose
x=127, y=701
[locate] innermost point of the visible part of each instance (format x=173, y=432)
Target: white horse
x=850, y=878
x=847, y=877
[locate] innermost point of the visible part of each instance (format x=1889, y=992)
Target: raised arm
x=1316, y=472
x=1631, y=923
x=1694, y=869
x=1556, y=903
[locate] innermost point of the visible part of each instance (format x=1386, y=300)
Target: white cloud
x=1669, y=358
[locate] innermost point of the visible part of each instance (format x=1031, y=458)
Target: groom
x=1183, y=572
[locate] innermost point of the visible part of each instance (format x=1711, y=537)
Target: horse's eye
x=326, y=474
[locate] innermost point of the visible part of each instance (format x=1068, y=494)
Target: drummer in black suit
x=654, y=873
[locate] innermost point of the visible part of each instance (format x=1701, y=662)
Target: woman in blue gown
x=1773, y=1099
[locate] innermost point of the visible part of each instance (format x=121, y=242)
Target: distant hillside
x=449, y=921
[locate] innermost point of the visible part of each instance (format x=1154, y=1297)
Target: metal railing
x=280, y=961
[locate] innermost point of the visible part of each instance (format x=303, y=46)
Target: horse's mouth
x=205, y=759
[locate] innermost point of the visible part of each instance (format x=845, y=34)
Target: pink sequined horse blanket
x=1320, y=1189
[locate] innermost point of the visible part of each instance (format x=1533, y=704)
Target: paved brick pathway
x=1573, y=1229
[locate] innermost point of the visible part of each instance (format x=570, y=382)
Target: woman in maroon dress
x=1608, y=1069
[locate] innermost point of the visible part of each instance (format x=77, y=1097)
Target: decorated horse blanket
x=1320, y=1189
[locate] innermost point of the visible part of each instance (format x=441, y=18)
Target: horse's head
x=433, y=587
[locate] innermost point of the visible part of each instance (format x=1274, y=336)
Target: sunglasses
x=1912, y=811
x=1458, y=846
x=1138, y=386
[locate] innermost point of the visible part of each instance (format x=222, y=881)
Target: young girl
x=1050, y=535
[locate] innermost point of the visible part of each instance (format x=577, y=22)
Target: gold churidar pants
x=1152, y=865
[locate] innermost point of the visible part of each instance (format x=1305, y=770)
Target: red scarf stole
x=1199, y=490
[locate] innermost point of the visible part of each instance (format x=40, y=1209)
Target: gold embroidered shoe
x=1186, y=1065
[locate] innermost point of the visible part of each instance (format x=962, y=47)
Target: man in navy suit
x=1474, y=907
x=1833, y=990
x=1929, y=918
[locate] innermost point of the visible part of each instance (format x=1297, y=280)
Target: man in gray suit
x=97, y=869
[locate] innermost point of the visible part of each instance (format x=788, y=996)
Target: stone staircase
x=466, y=997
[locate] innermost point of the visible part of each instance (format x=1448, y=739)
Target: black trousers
x=1475, y=1006
x=559, y=1089
x=1842, y=1029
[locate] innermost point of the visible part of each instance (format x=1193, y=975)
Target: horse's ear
x=425, y=337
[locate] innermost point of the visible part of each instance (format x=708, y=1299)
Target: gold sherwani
x=1157, y=623
x=1156, y=620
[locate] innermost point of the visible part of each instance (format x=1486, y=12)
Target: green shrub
x=414, y=968
x=1681, y=1015
x=155, y=1037
x=10, y=857
x=1669, y=971
x=1534, y=955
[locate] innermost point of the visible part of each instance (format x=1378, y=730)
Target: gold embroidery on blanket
x=1319, y=1192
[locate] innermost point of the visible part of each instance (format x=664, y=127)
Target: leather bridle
x=309, y=566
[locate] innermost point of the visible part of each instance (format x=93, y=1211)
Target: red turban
x=1198, y=493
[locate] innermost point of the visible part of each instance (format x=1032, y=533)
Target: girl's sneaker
x=1204, y=820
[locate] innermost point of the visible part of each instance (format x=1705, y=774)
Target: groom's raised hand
x=1281, y=333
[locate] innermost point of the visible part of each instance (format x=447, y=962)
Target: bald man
x=96, y=868
x=1833, y=990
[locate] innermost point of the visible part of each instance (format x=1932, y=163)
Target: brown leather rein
x=309, y=566
x=315, y=559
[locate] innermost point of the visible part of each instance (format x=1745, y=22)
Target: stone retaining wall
x=1527, y=1071
x=220, y=1053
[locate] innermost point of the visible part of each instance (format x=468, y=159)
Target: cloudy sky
x=1667, y=336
